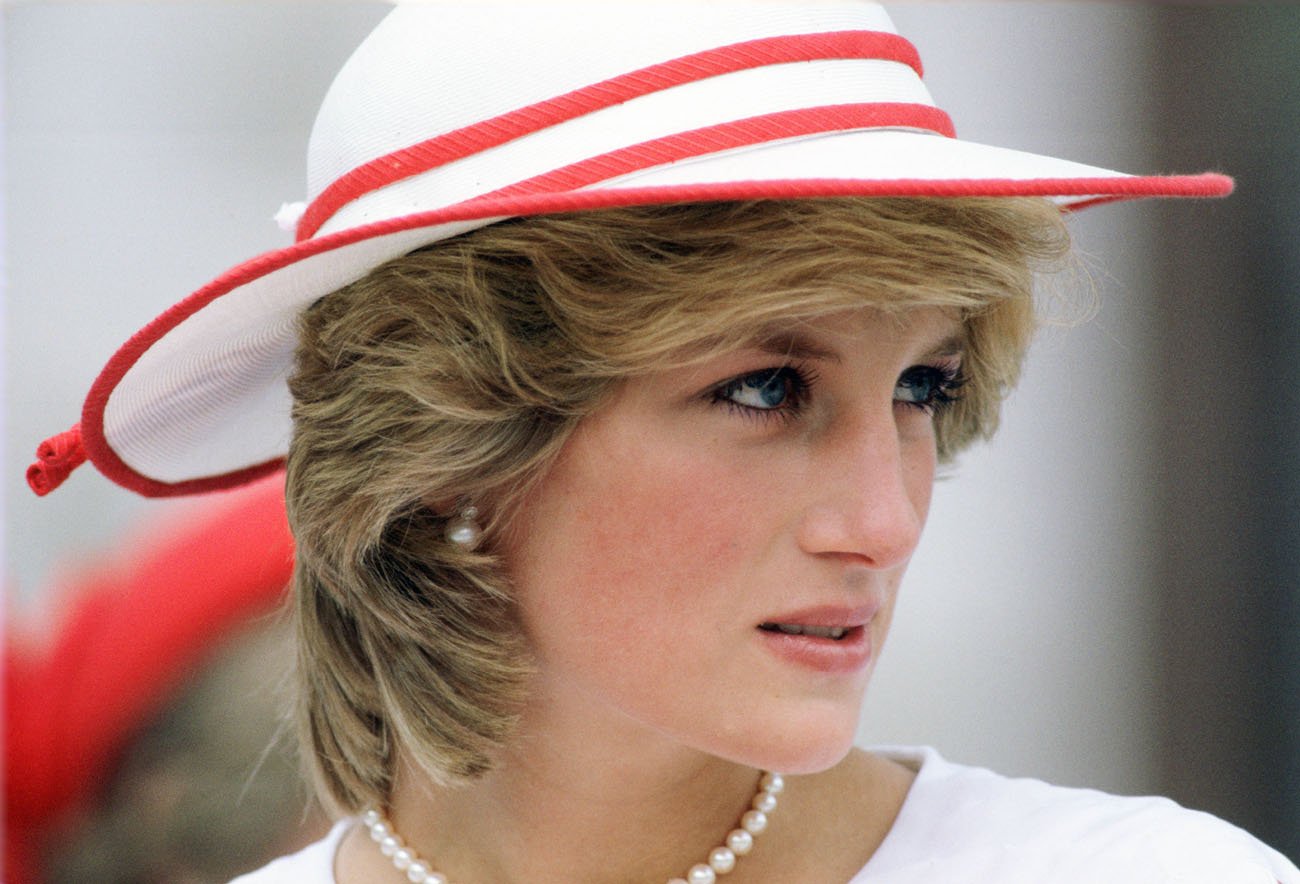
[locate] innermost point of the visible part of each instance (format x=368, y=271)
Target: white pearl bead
x=722, y=860
x=370, y=817
x=402, y=858
x=390, y=845
x=463, y=533
x=379, y=831
x=773, y=783
x=464, y=530
x=740, y=842
x=765, y=802
x=418, y=873
x=701, y=874
x=754, y=822
x=435, y=878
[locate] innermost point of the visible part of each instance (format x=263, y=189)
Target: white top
x=971, y=825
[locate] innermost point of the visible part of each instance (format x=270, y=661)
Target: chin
x=802, y=745
x=813, y=760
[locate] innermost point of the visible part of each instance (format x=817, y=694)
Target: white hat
x=451, y=116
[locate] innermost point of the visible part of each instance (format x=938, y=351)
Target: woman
x=602, y=510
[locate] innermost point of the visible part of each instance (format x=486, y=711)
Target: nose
x=871, y=494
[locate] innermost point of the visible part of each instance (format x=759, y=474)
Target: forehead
x=829, y=334
x=920, y=333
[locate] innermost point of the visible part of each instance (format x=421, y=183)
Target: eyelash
x=798, y=379
x=945, y=381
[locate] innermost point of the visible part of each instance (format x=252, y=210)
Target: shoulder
x=970, y=824
x=313, y=864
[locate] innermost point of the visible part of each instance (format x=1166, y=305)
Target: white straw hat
x=451, y=116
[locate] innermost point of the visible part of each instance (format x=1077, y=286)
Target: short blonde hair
x=457, y=372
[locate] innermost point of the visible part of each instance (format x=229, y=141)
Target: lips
x=832, y=639
x=822, y=621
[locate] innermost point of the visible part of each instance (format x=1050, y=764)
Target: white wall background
x=147, y=146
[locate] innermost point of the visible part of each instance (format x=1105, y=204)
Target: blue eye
x=928, y=387
x=772, y=389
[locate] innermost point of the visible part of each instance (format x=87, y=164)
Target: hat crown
x=432, y=69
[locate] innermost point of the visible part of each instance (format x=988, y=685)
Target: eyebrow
x=953, y=345
x=793, y=345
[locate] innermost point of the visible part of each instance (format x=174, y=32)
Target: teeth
x=824, y=631
x=835, y=632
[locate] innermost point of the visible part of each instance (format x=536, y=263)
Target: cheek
x=624, y=532
x=920, y=463
x=920, y=483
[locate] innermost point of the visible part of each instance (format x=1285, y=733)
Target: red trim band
x=467, y=141
x=729, y=136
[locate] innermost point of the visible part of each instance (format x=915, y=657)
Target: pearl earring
x=463, y=530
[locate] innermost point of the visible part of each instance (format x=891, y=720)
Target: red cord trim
x=729, y=136
x=480, y=136
x=108, y=462
x=56, y=458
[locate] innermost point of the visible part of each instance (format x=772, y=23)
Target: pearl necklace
x=721, y=861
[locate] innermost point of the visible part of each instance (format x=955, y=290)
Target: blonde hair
x=457, y=372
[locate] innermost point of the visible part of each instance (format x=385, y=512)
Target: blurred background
x=1107, y=595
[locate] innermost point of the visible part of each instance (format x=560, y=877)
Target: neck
x=594, y=804
x=566, y=822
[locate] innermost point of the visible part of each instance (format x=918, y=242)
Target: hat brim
x=196, y=401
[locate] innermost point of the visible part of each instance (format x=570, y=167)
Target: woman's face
x=714, y=557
